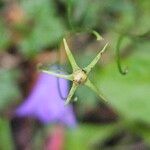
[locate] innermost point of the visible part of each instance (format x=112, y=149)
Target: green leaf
x=95, y=60
x=89, y=84
x=71, y=93
x=70, y=56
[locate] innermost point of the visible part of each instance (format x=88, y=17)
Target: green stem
x=123, y=72
x=68, y=77
x=69, y=13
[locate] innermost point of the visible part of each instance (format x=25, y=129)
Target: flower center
x=79, y=77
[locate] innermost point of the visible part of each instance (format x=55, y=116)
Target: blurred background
x=32, y=114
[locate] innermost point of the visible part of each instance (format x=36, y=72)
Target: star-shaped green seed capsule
x=79, y=75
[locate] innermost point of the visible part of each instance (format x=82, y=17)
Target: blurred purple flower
x=45, y=103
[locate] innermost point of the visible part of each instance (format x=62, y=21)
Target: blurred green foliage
x=9, y=91
x=88, y=136
x=6, y=142
x=4, y=40
x=47, y=28
x=47, y=21
x=129, y=94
